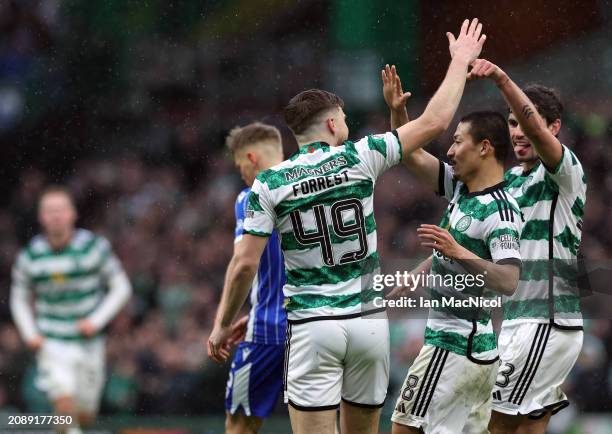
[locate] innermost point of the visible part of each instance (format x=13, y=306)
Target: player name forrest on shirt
x=320, y=183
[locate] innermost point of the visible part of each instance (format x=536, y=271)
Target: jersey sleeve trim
x=510, y=261
x=256, y=233
x=399, y=143
x=240, y=214
x=556, y=169
x=441, y=179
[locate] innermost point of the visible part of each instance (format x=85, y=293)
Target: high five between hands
x=466, y=46
x=465, y=49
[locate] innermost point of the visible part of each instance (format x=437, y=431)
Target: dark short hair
x=303, y=108
x=493, y=126
x=57, y=189
x=253, y=133
x=547, y=101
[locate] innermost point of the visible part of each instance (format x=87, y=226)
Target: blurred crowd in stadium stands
x=162, y=188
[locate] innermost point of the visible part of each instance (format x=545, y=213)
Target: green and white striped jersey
x=488, y=223
x=552, y=202
x=321, y=202
x=68, y=285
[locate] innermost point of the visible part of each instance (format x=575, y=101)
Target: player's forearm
x=425, y=167
x=118, y=295
x=223, y=299
x=21, y=311
x=521, y=106
x=235, y=291
x=439, y=112
x=545, y=144
x=423, y=267
x=443, y=105
x=399, y=117
x=502, y=278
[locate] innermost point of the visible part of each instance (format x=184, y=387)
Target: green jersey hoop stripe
x=310, y=301
x=334, y=274
x=538, y=308
x=457, y=343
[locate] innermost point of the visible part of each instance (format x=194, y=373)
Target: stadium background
x=128, y=103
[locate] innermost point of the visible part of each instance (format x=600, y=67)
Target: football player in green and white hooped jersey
x=320, y=200
x=66, y=271
x=448, y=387
x=541, y=335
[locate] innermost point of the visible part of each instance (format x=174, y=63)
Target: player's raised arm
x=425, y=166
x=395, y=97
x=541, y=137
x=443, y=105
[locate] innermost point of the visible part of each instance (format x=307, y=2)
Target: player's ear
x=486, y=147
x=252, y=156
x=555, y=127
x=331, y=125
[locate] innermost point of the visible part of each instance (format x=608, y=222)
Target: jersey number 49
x=323, y=237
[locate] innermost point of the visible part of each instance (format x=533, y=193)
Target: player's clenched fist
x=218, y=349
x=469, y=42
x=482, y=68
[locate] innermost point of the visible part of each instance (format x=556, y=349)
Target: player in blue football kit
x=256, y=377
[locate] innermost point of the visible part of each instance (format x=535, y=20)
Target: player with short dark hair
x=491, y=126
x=321, y=202
x=448, y=387
x=304, y=108
x=541, y=335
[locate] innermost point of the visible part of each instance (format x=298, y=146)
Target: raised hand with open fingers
x=469, y=42
x=394, y=95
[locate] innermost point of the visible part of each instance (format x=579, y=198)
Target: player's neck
x=528, y=165
x=265, y=165
x=486, y=177
x=58, y=241
x=307, y=139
